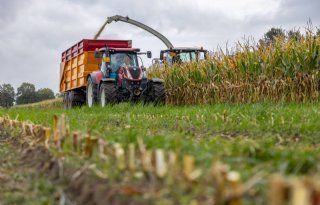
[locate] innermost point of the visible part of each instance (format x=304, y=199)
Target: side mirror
x=149, y=54
x=97, y=54
x=161, y=55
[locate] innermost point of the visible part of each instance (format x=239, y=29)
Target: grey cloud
x=10, y=9
x=39, y=30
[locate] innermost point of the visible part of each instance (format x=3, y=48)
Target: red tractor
x=122, y=79
x=112, y=74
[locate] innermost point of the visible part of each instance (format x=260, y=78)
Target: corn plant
x=286, y=70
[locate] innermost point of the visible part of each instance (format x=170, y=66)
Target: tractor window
x=103, y=65
x=193, y=56
x=123, y=59
x=168, y=59
x=183, y=57
x=201, y=56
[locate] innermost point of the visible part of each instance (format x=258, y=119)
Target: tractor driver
x=126, y=61
x=116, y=61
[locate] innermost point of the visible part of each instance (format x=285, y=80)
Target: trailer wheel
x=108, y=94
x=71, y=102
x=92, y=93
x=66, y=100
x=158, y=94
x=74, y=98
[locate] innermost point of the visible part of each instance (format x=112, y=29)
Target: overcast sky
x=33, y=33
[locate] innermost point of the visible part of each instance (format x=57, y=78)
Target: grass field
x=48, y=104
x=279, y=138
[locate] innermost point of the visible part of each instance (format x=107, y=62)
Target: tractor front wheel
x=108, y=94
x=158, y=94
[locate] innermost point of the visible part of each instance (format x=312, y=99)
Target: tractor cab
x=116, y=59
x=118, y=63
x=182, y=55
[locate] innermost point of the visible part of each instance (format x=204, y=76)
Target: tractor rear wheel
x=108, y=94
x=158, y=94
x=92, y=93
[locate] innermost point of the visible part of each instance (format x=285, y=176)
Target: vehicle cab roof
x=187, y=49
x=120, y=49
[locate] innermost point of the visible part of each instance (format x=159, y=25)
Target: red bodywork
x=127, y=76
x=98, y=75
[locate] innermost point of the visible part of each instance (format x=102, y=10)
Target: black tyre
x=66, y=100
x=71, y=101
x=92, y=93
x=75, y=98
x=108, y=94
x=158, y=94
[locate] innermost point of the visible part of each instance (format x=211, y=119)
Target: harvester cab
x=182, y=55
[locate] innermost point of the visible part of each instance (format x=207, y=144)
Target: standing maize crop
x=286, y=70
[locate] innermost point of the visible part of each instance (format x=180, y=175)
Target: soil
x=31, y=175
x=21, y=184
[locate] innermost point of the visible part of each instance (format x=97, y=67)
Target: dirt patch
x=20, y=185
x=59, y=181
x=80, y=187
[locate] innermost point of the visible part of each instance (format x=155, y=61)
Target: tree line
x=276, y=32
x=26, y=94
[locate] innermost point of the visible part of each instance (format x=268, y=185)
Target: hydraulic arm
x=135, y=23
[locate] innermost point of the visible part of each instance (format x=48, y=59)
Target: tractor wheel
x=92, y=93
x=158, y=94
x=108, y=94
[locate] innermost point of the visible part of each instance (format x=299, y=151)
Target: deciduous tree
x=6, y=95
x=44, y=94
x=270, y=36
x=26, y=93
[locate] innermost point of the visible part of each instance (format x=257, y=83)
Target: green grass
x=280, y=138
x=262, y=138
